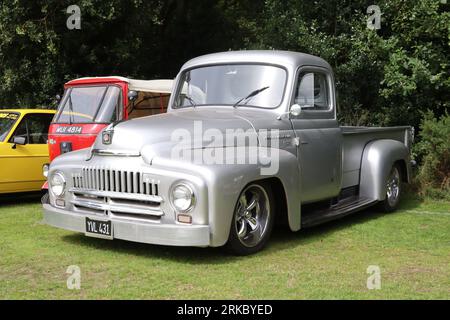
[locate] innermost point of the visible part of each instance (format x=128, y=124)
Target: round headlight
x=183, y=198
x=45, y=168
x=57, y=184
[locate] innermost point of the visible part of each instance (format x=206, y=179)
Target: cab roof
x=156, y=86
x=287, y=59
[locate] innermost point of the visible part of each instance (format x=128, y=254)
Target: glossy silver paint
x=317, y=159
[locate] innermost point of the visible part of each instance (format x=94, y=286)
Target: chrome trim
x=64, y=185
x=252, y=216
x=111, y=207
x=112, y=203
x=193, y=197
x=118, y=195
x=393, y=187
x=138, y=231
x=108, y=179
x=116, y=153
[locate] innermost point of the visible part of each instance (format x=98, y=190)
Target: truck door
x=319, y=135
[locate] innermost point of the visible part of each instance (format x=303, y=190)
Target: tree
x=142, y=39
x=384, y=77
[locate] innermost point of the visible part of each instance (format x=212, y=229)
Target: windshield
x=98, y=104
x=7, y=121
x=231, y=85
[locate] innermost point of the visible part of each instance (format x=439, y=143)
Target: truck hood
x=201, y=127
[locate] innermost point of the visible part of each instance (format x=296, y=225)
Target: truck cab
x=250, y=138
x=91, y=104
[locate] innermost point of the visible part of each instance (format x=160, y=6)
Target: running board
x=339, y=210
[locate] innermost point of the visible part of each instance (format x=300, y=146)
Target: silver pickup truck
x=250, y=139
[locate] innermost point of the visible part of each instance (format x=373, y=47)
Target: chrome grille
x=117, y=204
x=113, y=180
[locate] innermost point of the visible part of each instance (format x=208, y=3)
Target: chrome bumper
x=163, y=234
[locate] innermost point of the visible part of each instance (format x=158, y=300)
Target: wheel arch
x=378, y=158
x=225, y=184
x=281, y=205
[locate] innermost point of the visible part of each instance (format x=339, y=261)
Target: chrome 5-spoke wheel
x=393, y=190
x=252, y=220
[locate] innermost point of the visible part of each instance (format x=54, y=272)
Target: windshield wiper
x=251, y=95
x=191, y=100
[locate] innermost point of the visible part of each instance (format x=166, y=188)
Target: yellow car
x=23, y=149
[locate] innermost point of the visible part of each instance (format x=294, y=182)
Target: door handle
x=298, y=142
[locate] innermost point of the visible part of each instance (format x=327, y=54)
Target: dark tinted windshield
x=97, y=104
x=227, y=84
x=7, y=121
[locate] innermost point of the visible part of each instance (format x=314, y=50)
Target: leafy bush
x=384, y=77
x=433, y=152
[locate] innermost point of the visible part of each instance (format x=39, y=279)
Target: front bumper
x=161, y=234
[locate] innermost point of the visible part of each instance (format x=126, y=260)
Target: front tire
x=253, y=220
x=45, y=199
x=393, y=190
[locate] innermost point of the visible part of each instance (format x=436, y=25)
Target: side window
x=34, y=127
x=148, y=104
x=112, y=102
x=312, y=92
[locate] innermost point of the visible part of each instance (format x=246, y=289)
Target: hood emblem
x=107, y=137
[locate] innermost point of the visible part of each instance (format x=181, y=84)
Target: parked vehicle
x=23, y=149
x=91, y=104
x=134, y=185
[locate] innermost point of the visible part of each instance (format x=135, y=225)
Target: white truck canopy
x=158, y=86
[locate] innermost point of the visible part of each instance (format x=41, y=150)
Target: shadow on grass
x=282, y=239
x=20, y=198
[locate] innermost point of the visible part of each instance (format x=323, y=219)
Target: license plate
x=99, y=229
x=69, y=130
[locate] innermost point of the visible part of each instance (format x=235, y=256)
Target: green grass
x=411, y=246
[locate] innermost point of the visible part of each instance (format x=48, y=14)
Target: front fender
x=226, y=181
x=230, y=181
x=378, y=158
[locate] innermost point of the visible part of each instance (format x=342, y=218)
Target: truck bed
x=355, y=140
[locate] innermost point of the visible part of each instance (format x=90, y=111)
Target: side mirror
x=295, y=110
x=21, y=141
x=132, y=95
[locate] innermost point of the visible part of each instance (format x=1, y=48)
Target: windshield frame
x=8, y=134
x=66, y=97
x=242, y=63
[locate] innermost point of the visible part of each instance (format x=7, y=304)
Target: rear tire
x=253, y=220
x=393, y=190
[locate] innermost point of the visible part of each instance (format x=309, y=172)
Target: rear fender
x=378, y=158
